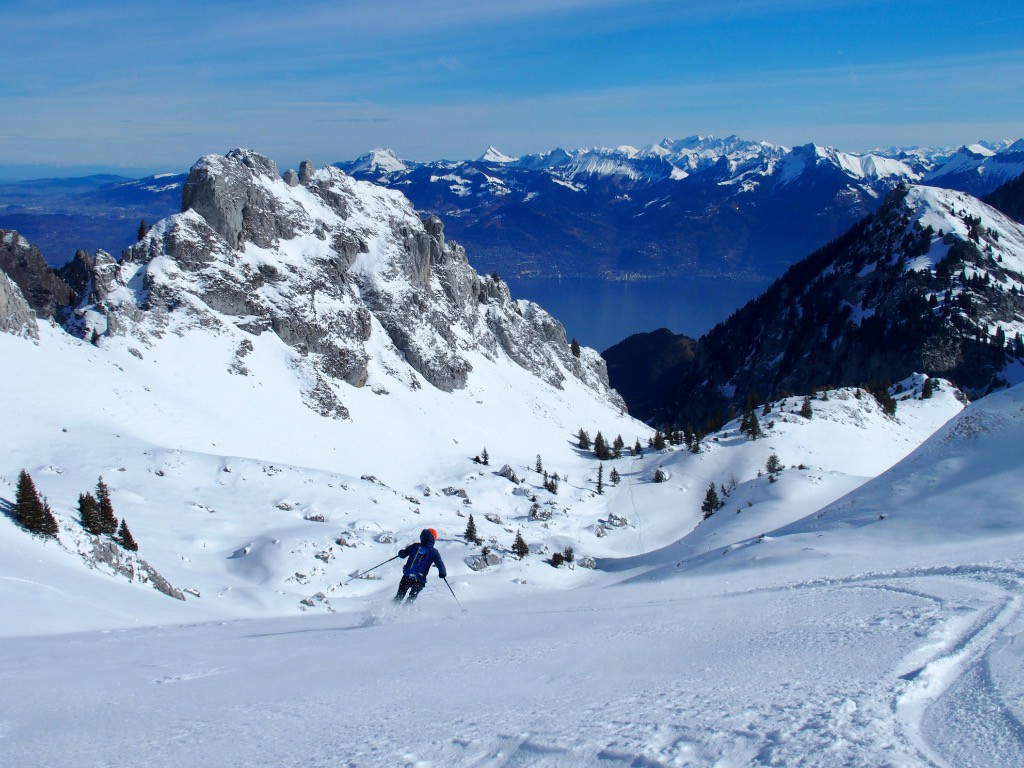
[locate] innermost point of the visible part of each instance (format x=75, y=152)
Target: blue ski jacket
x=421, y=556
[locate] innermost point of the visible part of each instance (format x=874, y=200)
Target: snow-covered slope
x=955, y=498
x=840, y=640
x=251, y=502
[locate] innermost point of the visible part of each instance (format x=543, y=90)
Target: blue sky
x=152, y=86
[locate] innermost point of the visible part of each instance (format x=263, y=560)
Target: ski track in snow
x=906, y=668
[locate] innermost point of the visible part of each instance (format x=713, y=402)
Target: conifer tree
x=519, y=546
x=574, y=347
x=485, y=459
x=539, y=466
x=617, y=445
x=601, y=449
x=125, y=538
x=89, y=513
x=614, y=476
x=711, y=503
x=806, y=410
x=568, y=555
x=48, y=523
x=583, y=440
x=471, y=535
x=927, y=388
x=658, y=441
x=750, y=426
x=637, y=449
x=660, y=476
x=600, y=479
x=773, y=465
x=143, y=229
x=107, y=518
x=31, y=512
x=28, y=507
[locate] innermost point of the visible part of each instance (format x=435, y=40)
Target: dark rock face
x=46, y=293
x=1009, y=198
x=646, y=367
x=325, y=263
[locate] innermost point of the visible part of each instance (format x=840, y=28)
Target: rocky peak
x=335, y=268
x=45, y=292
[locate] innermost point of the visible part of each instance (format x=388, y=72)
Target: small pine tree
x=48, y=523
x=519, y=546
x=107, y=518
x=660, y=476
x=31, y=512
x=583, y=440
x=125, y=538
x=600, y=479
x=568, y=555
x=658, y=441
x=539, y=466
x=471, y=535
x=711, y=502
x=806, y=410
x=557, y=559
x=574, y=347
x=485, y=459
x=750, y=426
x=773, y=465
x=617, y=445
x=637, y=448
x=143, y=229
x=927, y=389
x=89, y=513
x=614, y=476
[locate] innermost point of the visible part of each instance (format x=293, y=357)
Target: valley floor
x=919, y=667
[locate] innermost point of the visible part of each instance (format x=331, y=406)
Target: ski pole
x=363, y=573
x=445, y=580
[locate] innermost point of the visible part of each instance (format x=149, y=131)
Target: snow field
x=696, y=672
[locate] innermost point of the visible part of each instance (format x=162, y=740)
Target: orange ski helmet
x=433, y=533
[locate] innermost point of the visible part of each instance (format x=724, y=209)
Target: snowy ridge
x=979, y=169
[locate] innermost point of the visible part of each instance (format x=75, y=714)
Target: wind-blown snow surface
x=842, y=639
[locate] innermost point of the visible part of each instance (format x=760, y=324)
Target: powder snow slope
x=883, y=648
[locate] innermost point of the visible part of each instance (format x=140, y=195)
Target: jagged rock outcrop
x=46, y=293
x=102, y=552
x=16, y=316
x=335, y=268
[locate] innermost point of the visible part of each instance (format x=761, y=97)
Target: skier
x=420, y=557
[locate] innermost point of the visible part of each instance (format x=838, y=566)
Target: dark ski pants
x=412, y=586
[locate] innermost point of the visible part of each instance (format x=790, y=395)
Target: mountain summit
x=344, y=273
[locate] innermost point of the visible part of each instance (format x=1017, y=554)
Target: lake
x=601, y=313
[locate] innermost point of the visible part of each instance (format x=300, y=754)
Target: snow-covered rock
x=16, y=316
x=336, y=269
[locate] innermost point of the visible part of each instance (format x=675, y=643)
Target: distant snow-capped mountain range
x=694, y=206
x=699, y=205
